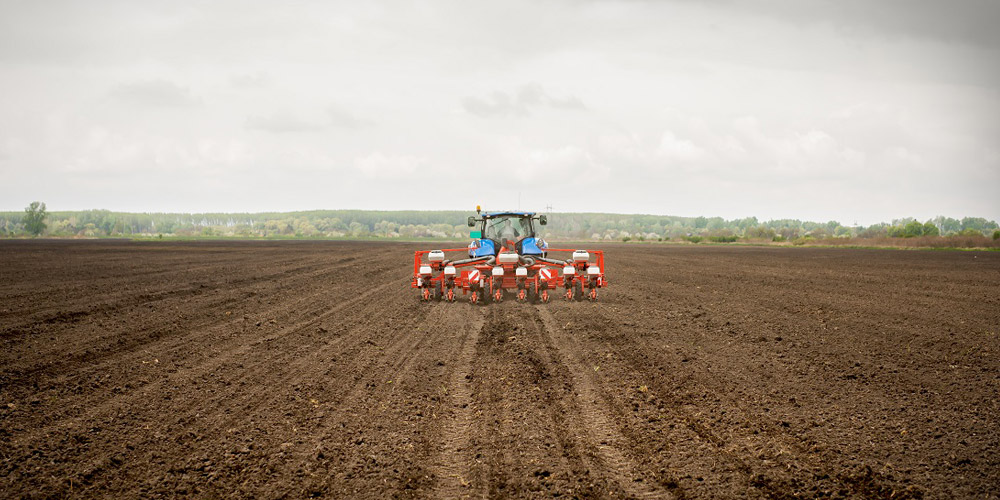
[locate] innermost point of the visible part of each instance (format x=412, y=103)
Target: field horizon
x=431, y=225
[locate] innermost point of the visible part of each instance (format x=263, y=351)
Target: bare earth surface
x=297, y=369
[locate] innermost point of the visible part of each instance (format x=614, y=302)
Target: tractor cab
x=514, y=231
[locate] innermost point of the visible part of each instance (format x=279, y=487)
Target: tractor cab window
x=508, y=228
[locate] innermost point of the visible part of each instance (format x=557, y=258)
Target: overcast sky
x=853, y=110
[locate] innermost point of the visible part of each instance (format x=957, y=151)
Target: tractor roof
x=490, y=215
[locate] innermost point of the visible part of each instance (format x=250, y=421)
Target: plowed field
x=297, y=369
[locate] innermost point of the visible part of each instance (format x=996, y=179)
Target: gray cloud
x=286, y=122
x=520, y=103
x=157, y=93
x=341, y=118
x=823, y=109
x=256, y=80
x=281, y=123
x=959, y=21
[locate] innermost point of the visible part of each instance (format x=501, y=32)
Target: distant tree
x=746, y=223
x=819, y=233
x=978, y=223
x=949, y=225
x=360, y=230
x=874, y=231
x=34, y=218
x=762, y=232
x=930, y=229
x=913, y=228
x=996, y=234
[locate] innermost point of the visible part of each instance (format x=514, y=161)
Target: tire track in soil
x=521, y=441
x=401, y=393
x=663, y=429
x=161, y=331
x=183, y=337
x=766, y=461
x=203, y=409
x=602, y=434
x=698, y=451
x=78, y=299
x=292, y=366
x=393, y=359
x=711, y=424
x=234, y=348
x=529, y=439
x=311, y=398
x=453, y=467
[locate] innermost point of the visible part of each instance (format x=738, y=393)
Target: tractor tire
x=578, y=291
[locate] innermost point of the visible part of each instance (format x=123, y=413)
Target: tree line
x=35, y=220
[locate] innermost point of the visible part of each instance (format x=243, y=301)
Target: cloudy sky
x=852, y=110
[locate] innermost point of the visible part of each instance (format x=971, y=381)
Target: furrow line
x=602, y=434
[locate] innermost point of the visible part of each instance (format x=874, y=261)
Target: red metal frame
x=532, y=284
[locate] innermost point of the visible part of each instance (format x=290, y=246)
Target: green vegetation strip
x=412, y=225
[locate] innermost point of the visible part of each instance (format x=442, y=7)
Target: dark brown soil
x=298, y=369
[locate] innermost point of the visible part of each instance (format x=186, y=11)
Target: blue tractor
x=514, y=231
x=507, y=255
